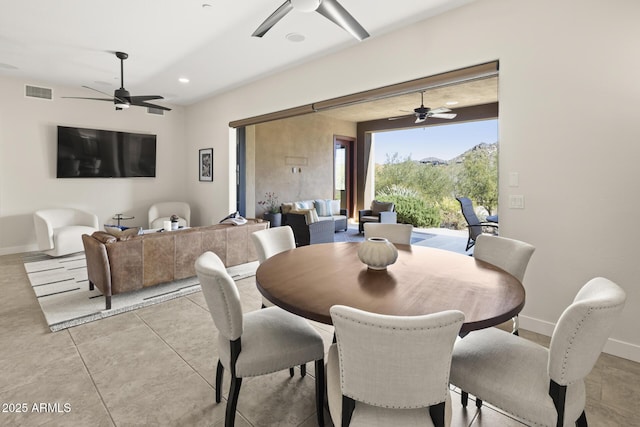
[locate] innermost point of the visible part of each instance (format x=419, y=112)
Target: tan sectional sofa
x=116, y=266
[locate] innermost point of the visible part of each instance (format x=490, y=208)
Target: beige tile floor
x=155, y=366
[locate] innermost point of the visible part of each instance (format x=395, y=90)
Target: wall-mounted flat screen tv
x=94, y=153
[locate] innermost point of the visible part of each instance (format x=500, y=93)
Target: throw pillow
x=104, y=237
x=377, y=207
x=303, y=205
x=123, y=234
x=323, y=207
x=335, y=207
x=310, y=215
x=286, y=207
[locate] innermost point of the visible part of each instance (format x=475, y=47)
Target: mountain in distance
x=434, y=161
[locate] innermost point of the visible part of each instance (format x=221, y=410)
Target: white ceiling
x=71, y=42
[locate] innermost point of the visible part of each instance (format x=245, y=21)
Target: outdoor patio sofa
x=314, y=221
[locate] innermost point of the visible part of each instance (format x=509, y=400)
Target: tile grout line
x=223, y=399
x=86, y=368
x=173, y=349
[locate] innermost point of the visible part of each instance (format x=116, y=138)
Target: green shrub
x=413, y=210
x=451, y=214
x=397, y=190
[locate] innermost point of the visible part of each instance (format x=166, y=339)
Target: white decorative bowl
x=377, y=253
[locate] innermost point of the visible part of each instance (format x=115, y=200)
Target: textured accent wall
x=304, y=143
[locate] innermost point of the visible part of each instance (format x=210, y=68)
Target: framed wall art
x=205, y=163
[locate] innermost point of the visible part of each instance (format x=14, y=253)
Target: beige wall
x=28, y=144
x=304, y=143
x=577, y=164
x=568, y=126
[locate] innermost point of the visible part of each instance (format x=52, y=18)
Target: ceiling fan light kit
x=121, y=98
x=330, y=9
x=305, y=5
x=422, y=113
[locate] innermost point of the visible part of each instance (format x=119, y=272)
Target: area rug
x=62, y=289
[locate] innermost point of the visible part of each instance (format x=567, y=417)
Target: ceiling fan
x=121, y=97
x=330, y=9
x=422, y=113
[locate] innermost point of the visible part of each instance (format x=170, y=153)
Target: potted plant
x=174, y=222
x=271, y=209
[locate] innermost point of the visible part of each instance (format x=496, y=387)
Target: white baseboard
x=614, y=347
x=18, y=249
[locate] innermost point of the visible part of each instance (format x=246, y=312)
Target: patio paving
x=440, y=238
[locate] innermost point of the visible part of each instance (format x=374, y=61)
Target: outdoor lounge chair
x=474, y=225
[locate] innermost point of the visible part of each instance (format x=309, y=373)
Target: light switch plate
x=514, y=180
x=516, y=202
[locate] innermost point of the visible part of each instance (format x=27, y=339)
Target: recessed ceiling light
x=183, y=80
x=451, y=102
x=295, y=37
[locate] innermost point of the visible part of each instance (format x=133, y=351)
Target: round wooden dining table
x=308, y=280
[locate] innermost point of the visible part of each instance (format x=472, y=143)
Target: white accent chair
x=160, y=212
x=509, y=255
x=255, y=343
x=542, y=387
x=59, y=231
x=395, y=233
x=270, y=242
x=391, y=370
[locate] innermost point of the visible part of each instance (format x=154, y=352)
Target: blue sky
x=444, y=142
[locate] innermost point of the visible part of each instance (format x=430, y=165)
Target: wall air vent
x=155, y=111
x=38, y=92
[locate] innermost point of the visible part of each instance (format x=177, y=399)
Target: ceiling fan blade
x=113, y=98
x=93, y=99
x=273, y=19
x=398, y=117
x=99, y=91
x=143, y=98
x=333, y=11
x=443, y=115
x=440, y=110
x=149, y=105
x=420, y=119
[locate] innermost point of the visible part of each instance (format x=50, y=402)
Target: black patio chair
x=474, y=225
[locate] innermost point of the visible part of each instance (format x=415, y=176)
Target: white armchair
x=160, y=212
x=59, y=231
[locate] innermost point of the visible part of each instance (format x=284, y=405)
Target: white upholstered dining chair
x=542, y=387
x=395, y=233
x=255, y=343
x=390, y=370
x=270, y=242
x=507, y=254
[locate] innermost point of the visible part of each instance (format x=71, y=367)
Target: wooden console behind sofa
x=117, y=266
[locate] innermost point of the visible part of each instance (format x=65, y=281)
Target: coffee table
x=309, y=280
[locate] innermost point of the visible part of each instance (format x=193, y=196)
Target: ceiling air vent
x=156, y=111
x=38, y=92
